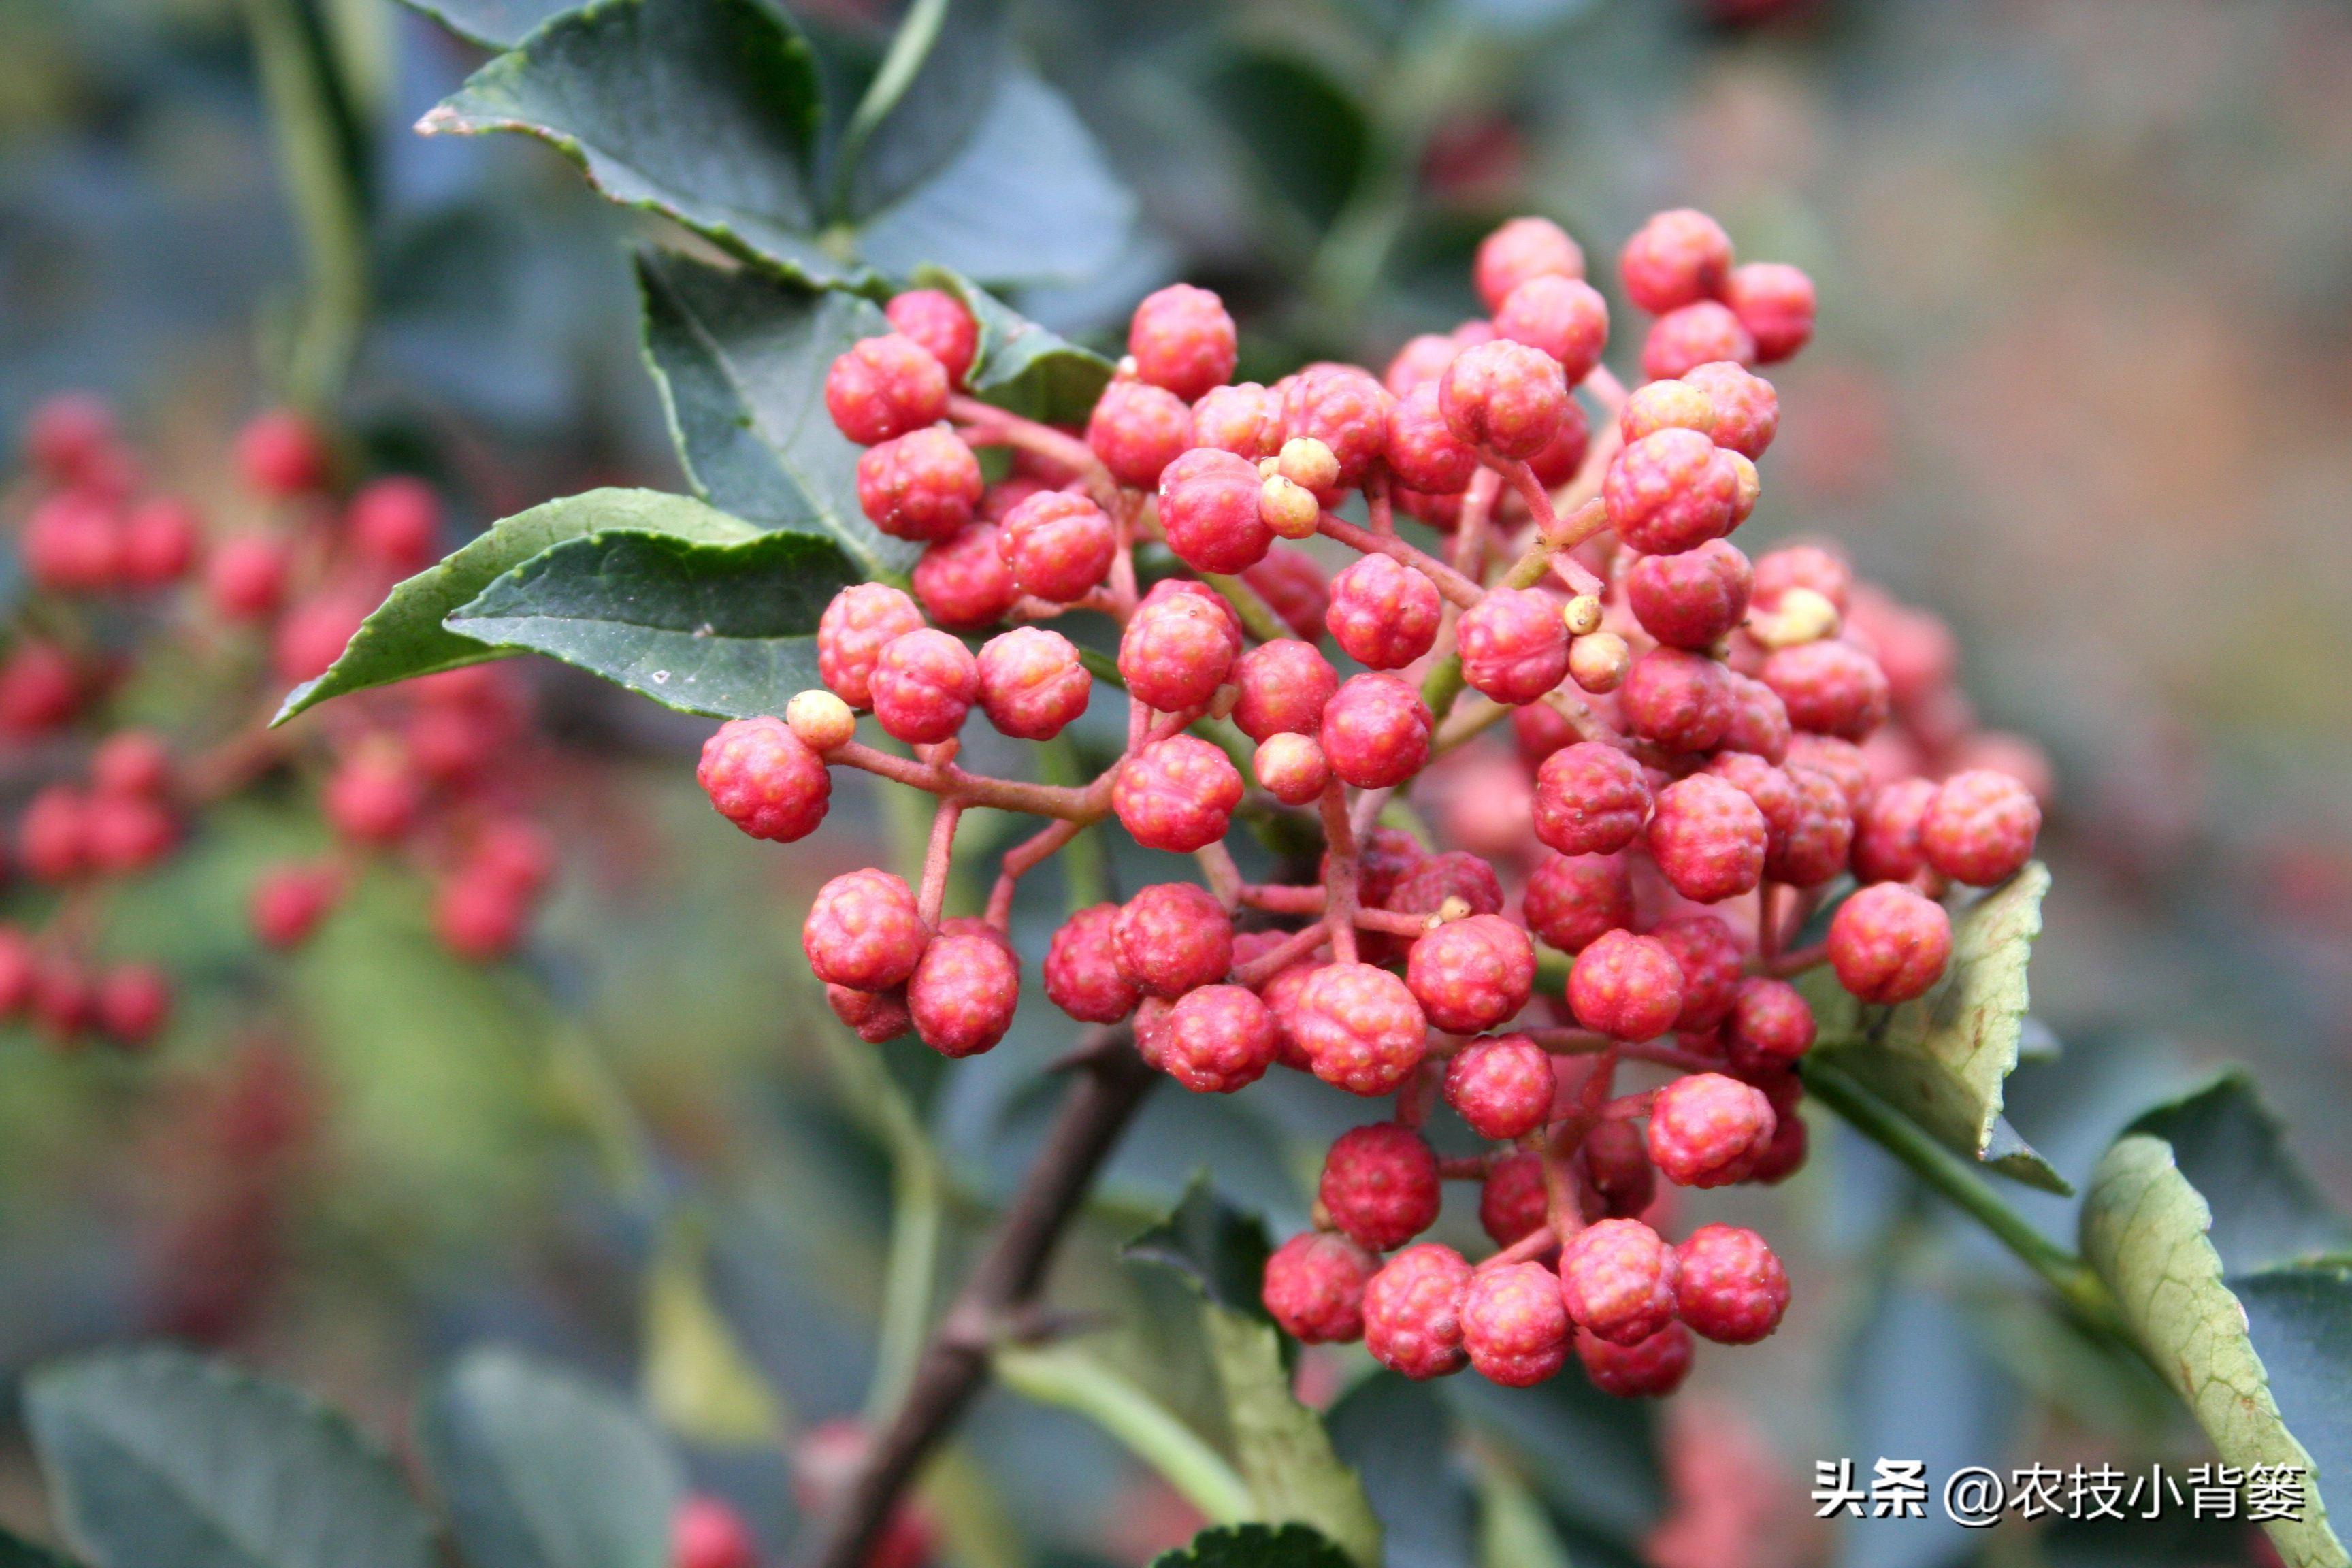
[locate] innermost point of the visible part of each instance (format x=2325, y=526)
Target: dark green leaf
x=1306, y=134
x=159, y=1458
x=543, y=1469
x=494, y=24
x=1020, y=366
x=15, y=1551
x=1398, y=1435
x=2299, y=1319
x=705, y=111
x=1221, y=1249
x=939, y=79
x=2232, y=1150
x=740, y=360
x=1254, y=1546
x=405, y=636
x=729, y=630
x=1594, y=1458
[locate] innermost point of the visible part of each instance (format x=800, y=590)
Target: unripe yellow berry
x=821, y=720
x=1598, y=661
x=1305, y=460
x=1289, y=508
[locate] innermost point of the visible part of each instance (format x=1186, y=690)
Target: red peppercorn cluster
x=1707, y=750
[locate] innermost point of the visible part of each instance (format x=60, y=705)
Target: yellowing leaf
x=1284, y=1452
x=696, y=1378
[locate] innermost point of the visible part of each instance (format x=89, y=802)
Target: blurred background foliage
x=2079, y=385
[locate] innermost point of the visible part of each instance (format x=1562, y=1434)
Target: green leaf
x=703, y=111
x=934, y=85
x=1219, y=1249
x=542, y=1470
x=1282, y=1449
x=1308, y=135
x=406, y=638
x=2145, y=1230
x=1254, y=1546
x=493, y=23
x=1513, y=1532
x=695, y=1375
x=15, y=1551
x=740, y=362
x=1020, y=366
x=1942, y=1060
x=1398, y=1436
x=1594, y=1458
x=159, y=1458
x=729, y=630
x=2233, y=1150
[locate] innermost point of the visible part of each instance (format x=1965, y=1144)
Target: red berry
x=1571, y=900
x=1979, y=829
x=1383, y=615
x=1031, y=683
x=396, y=521
x=1812, y=566
x=1423, y=888
x=1245, y=420
x=1058, y=546
x=1412, y=1312
x=1617, y=1164
x=1217, y=1039
x=73, y=544
x=1708, y=1131
x=1315, y=1288
x=707, y=1533
x=1423, y=451
x=1380, y=1184
x=1564, y=317
x=1670, y=491
x=1760, y=720
x=1082, y=971
x=921, y=486
x=1471, y=975
x=1747, y=410
x=1209, y=511
x=68, y=434
x=1513, y=643
x=882, y=387
x=1504, y=397
x=1359, y=1026
x=1709, y=957
x=1385, y=856
x=1344, y=409
x=1590, y=799
x=1284, y=686
x=863, y=619
x=1561, y=458
x=53, y=835
x=1419, y=363
x=1172, y=938
x=1375, y=732
x=1626, y=986
x=1708, y=839
x=964, y=992
x=1177, y=795
x=864, y=931
x=127, y=833
x=764, y=780
x=1292, y=584
x=1682, y=700
x=1651, y=1370
x=39, y=689
x=1512, y=1201
x=1513, y=1325
x=280, y=454
x=133, y=762
x=1830, y=688
x=1732, y=1290
x=1138, y=429
x=1886, y=846
x=246, y=576
x=940, y=323
x=1771, y=1022
x=962, y=583
x=1280, y=995
x=1522, y=249
x=480, y=917
x=1692, y=600
x=1820, y=834
x=374, y=796
x=1682, y=341
x=1292, y=768
x=1775, y=303
x=924, y=684
x=1502, y=1088
x=1786, y=1154
x=1888, y=943
x=288, y=902
x=1178, y=648
x=1839, y=761
x=1617, y=1280
x=874, y=1016
x=1182, y=340
x=1677, y=258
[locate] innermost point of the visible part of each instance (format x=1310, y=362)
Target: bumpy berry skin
x=1708, y=1131
x=1830, y=688
x=1760, y=720
x=1776, y=303
x=1513, y=648
x=1708, y=839
x=923, y=686
x=1681, y=700
x=1209, y=511
x=1669, y=404
x=1471, y=975
x=1572, y=899
x=764, y=780
x=1384, y=615
x=1171, y=937
x=1423, y=451
x=1217, y=1039
x=1841, y=761
x=1138, y=429
x=1177, y=795
x=1292, y=768
x=1284, y=686
x=1746, y=408
x=1563, y=317
x=1813, y=566
x=1704, y=333
x=1820, y=835
x=864, y=931
x=1177, y=650
x=921, y=486
x=1412, y=1312
x=1590, y=799
x=962, y=583
x=1424, y=886
x=1617, y=1163
x=1513, y=1325
x=1617, y=1280
x=1888, y=943
x=1512, y=1199
x=1375, y=732
x=1887, y=832
x=938, y=321
x=1732, y=1290
x=1385, y=856
x=1671, y=490
x=1359, y=1027
x=1980, y=828
x=1315, y=1288
x=1772, y=790
x=862, y=620
x=1501, y=1087
x=1280, y=995
x=1626, y=986
x=1380, y=1184
x=1419, y=363
x=1347, y=410
x=1182, y=340
x=1709, y=957
x=964, y=992
x=882, y=387
x=1771, y=1024
x=1083, y=977
x=1651, y=1370
x=1031, y=683
x=1057, y=546
x=1504, y=397
x=873, y=1016
x=1691, y=600
x=1522, y=249
x=1677, y=258
x=1245, y=420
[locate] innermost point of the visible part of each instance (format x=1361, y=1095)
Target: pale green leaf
x=1284, y=1453
x=698, y=1380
